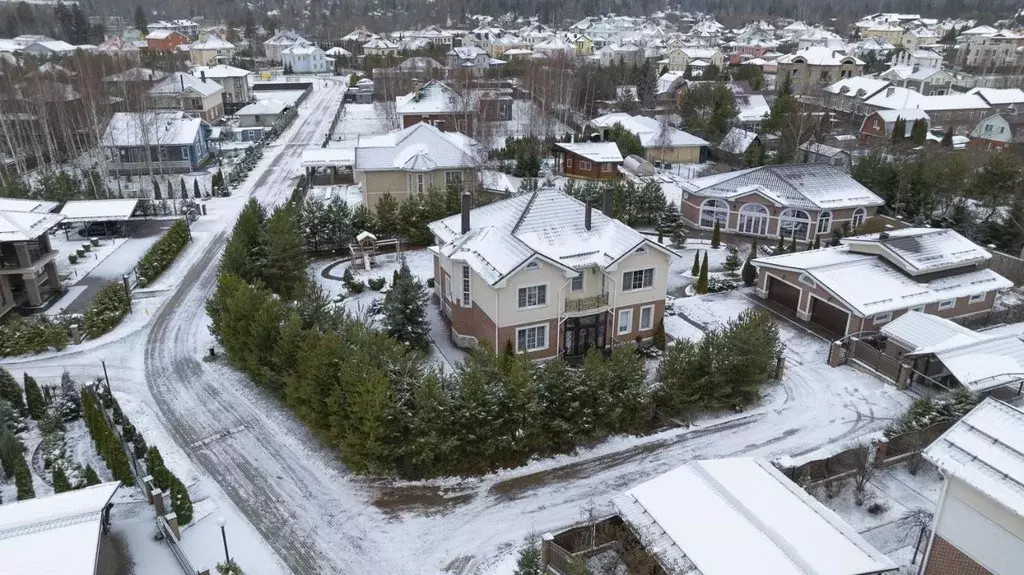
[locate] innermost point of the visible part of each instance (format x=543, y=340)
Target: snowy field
x=527, y=120
x=71, y=274
x=351, y=194
x=359, y=120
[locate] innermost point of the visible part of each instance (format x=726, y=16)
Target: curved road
x=320, y=520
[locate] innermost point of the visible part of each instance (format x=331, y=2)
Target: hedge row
x=163, y=253
x=106, y=310
x=36, y=334
x=106, y=441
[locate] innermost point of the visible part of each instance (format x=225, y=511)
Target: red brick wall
x=167, y=44
x=945, y=559
x=508, y=333
x=472, y=321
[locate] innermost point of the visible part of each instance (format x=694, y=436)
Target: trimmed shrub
x=355, y=287
x=163, y=253
x=106, y=310
x=87, y=247
x=36, y=334
x=73, y=258
x=377, y=284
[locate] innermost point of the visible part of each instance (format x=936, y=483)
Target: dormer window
x=532, y=265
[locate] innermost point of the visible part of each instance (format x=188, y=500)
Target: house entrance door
x=584, y=333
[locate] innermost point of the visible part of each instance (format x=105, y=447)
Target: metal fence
x=176, y=550
x=874, y=358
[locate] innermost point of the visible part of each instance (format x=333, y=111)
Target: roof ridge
x=522, y=215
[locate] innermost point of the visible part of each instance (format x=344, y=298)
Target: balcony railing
x=10, y=261
x=586, y=303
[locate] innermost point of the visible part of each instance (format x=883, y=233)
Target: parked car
x=101, y=229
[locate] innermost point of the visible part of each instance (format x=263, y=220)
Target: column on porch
x=6, y=295
x=52, y=279
x=32, y=289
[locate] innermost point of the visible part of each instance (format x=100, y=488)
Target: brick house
x=978, y=527
x=547, y=273
x=28, y=274
x=588, y=160
x=870, y=280
x=165, y=40
x=816, y=67
x=876, y=129
x=798, y=200
x=437, y=104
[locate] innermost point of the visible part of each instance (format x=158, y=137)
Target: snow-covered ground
x=70, y=273
x=527, y=120
x=351, y=194
x=360, y=120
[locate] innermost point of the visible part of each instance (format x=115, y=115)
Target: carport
x=828, y=316
x=783, y=293
x=111, y=214
x=329, y=166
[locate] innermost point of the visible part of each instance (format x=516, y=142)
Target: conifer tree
x=899, y=130
x=837, y=236
x=23, y=481
x=10, y=418
x=817, y=242
x=792, y=244
x=387, y=215
x=658, y=339
x=181, y=504
x=529, y=560
x=716, y=236
x=749, y=272
x=229, y=567
x=10, y=392
x=184, y=190
x=34, y=401
x=947, y=138
x=702, y=279
x=732, y=261
x=695, y=270
x=11, y=451
x=140, y=21
x=670, y=224
x=91, y=478
x=60, y=479
x=155, y=467
x=405, y=311
x=195, y=189
x=285, y=269
x=246, y=252
x=919, y=132
x=781, y=247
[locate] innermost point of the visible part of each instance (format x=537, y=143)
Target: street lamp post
x=105, y=376
x=222, y=522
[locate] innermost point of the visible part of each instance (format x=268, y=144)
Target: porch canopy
x=81, y=211
x=329, y=158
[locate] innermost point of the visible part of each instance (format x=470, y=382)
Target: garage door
x=829, y=316
x=783, y=293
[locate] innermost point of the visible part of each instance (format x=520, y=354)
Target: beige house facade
x=28, y=272
x=814, y=68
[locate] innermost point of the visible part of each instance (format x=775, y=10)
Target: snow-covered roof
x=869, y=284
x=56, y=534
x=860, y=87
x=985, y=450
x=820, y=56
x=24, y=226
x=820, y=149
x=593, y=151
x=813, y=186
x=549, y=224
x=741, y=515
x=921, y=250
x=98, y=210
x=651, y=132
x=179, y=82
x=212, y=42
x=996, y=96
x=915, y=330
x=17, y=205
x=219, y=71
x=380, y=44
x=751, y=107
x=912, y=115
x=737, y=141
x=263, y=108
x=161, y=34
x=159, y=128
x=338, y=52
x=284, y=38
x=494, y=181
x=434, y=97
x=420, y=147
x=302, y=49
x=898, y=98
x=328, y=157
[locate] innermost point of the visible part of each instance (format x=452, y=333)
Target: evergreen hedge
x=36, y=334
x=107, y=309
x=163, y=253
x=106, y=441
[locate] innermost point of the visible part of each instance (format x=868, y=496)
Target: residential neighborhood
x=574, y=290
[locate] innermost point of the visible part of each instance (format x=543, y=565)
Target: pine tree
x=140, y=20
x=529, y=561
x=34, y=401
x=285, y=269
x=781, y=247
x=23, y=480
x=695, y=270
x=181, y=504
x=702, y=280
x=947, y=138
x=786, y=86
x=732, y=261
x=91, y=478
x=229, y=567
x=749, y=272
x=899, y=130
x=792, y=244
x=11, y=451
x=60, y=479
x=10, y=392
x=405, y=311
x=387, y=215
x=716, y=236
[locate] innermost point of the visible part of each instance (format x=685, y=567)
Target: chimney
x=467, y=200
x=917, y=68
x=202, y=75
x=181, y=78
x=587, y=216
x=890, y=91
x=606, y=202
x=884, y=235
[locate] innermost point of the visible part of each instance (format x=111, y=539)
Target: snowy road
x=319, y=519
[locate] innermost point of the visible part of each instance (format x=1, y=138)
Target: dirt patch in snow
x=421, y=499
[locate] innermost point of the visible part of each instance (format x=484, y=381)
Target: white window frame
x=715, y=211
x=977, y=298
x=825, y=218
x=467, y=286
x=650, y=323
x=882, y=317
x=538, y=347
x=585, y=165
x=858, y=217
x=629, y=323
x=753, y=219
x=628, y=289
x=919, y=308
x=525, y=291
x=417, y=183
x=452, y=177
x=582, y=276
x=184, y=153
x=606, y=167
x=947, y=304
x=790, y=221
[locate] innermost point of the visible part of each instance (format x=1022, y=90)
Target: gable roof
x=812, y=186
x=917, y=330
x=284, y=38
x=820, y=56
x=741, y=515
x=219, y=71
x=55, y=534
x=154, y=128
x=420, y=147
x=180, y=82
x=737, y=141
x=548, y=224
x=593, y=151
x=860, y=87
x=651, y=132
x=985, y=450
x=262, y=107
x=212, y=42
x=996, y=97
x=922, y=250
x=434, y=97
x=25, y=226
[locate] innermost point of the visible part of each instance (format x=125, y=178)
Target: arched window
x=794, y=224
x=753, y=219
x=824, y=222
x=713, y=210
x=859, y=215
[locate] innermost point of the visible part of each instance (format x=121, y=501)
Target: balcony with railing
x=579, y=304
x=36, y=251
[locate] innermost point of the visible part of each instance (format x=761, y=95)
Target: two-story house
x=679, y=58
x=212, y=50
x=588, y=160
x=274, y=45
x=997, y=132
x=305, y=58
x=412, y=161
x=986, y=47
x=978, y=527
x=872, y=279
x=437, y=104
x=813, y=68
x=235, y=81
x=155, y=142
x=547, y=275
x=661, y=142
x=182, y=91
x=468, y=57
x=28, y=274
x=165, y=40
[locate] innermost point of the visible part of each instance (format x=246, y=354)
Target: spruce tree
x=181, y=504
x=60, y=480
x=11, y=451
x=285, y=269
x=899, y=130
x=658, y=339
x=702, y=280
x=529, y=561
x=10, y=392
x=91, y=478
x=23, y=480
x=749, y=272
x=140, y=21
x=387, y=215
x=670, y=224
x=716, y=236
x=246, y=252
x=695, y=270
x=732, y=261
x=34, y=401
x=792, y=244
x=229, y=567
x=781, y=247
x=405, y=310
x=10, y=418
